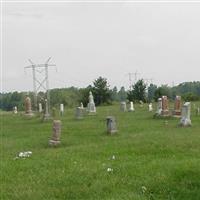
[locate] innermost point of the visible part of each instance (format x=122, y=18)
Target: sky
x=159, y=40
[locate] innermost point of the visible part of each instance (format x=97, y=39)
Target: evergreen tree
x=151, y=92
x=139, y=91
x=122, y=94
x=101, y=91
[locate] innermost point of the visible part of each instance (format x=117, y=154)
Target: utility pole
x=40, y=83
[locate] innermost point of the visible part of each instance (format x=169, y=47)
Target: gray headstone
x=79, y=113
x=111, y=125
x=46, y=113
x=123, y=106
x=185, y=115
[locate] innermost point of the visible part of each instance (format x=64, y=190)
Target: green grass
x=165, y=159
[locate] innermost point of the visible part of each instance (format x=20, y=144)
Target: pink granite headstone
x=165, y=106
x=55, y=139
x=177, y=106
x=27, y=104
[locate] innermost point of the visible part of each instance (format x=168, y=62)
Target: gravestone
x=159, y=107
x=61, y=109
x=123, y=106
x=131, y=107
x=150, y=107
x=15, y=110
x=27, y=103
x=198, y=111
x=81, y=106
x=91, y=105
x=46, y=112
x=141, y=103
x=185, y=115
x=55, y=139
x=165, y=106
x=177, y=107
x=111, y=125
x=79, y=113
x=40, y=107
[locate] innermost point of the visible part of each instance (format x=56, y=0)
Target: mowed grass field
x=153, y=160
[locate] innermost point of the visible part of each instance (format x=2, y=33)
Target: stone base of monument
x=31, y=114
x=54, y=142
x=161, y=115
x=47, y=117
x=165, y=113
x=185, y=122
x=92, y=113
x=177, y=114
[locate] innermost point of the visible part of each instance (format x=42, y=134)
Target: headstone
x=81, y=105
x=55, y=140
x=111, y=125
x=185, y=115
x=177, y=106
x=165, y=106
x=123, y=106
x=27, y=103
x=131, y=107
x=15, y=110
x=61, y=109
x=159, y=107
x=91, y=105
x=198, y=111
x=40, y=107
x=150, y=107
x=46, y=113
x=141, y=103
x=79, y=113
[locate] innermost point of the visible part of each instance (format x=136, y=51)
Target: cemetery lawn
x=148, y=159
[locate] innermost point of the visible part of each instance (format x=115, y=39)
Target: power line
x=40, y=83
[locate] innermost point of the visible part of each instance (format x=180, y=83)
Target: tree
x=122, y=94
x=101, y=91
x=163, y=90
x=114, y=94
x=84, y=94
x=139, y=91
x=151, y=92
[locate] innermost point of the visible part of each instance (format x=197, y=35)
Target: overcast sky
x=88, y=40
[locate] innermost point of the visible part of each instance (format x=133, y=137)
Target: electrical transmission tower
x=130, y=78
x=135, y=75
x=40, y=83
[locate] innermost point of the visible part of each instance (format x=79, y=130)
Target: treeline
x=103, y=94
